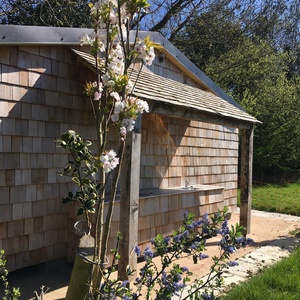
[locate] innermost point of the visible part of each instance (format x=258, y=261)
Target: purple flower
x=224, y=229
x=148, y=253
x=185, y=234
x=180, y=237
x=193, y=246
x=137, y=250
x=228, y=249
x=249, y=241
x=172, y=283
x=176, y=238
x=184, y=269
x=243, y=241
x=190, y=226
x=205, y=220
x=203, y=256
x=167, y=239
x=138, y=280
x=197, y=223
x=232, y=263
x=134, y=296
x=185, y=215
x=124, y=283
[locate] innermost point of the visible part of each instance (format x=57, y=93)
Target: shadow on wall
x=163, y=163
x=41, y=97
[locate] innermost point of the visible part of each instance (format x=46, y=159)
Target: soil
x=265, y=228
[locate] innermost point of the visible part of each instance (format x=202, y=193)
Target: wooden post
x=129, y=203
x=246, y=178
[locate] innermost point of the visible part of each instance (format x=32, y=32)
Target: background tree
x=256, y=76
x=252, y=51
x=57, y=13
x=209, y=35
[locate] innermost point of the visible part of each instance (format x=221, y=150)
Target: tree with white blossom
x=113, y=104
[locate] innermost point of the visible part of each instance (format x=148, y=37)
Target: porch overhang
x=173, y=98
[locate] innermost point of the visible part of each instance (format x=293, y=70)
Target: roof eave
x=41, y=35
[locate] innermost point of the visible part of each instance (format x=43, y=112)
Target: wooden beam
x=183, y=112
x=246, y=178
x=129, y=203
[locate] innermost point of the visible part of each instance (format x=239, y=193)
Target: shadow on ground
x=52, y=275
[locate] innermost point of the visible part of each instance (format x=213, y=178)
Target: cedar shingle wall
x=168, y=70
x=175, y=150
x=41, y=97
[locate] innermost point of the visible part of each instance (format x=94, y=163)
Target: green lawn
x=282, y=280
x=279, y=282
x=277, y=198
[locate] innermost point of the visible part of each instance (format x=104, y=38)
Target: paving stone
x=240, y=271
x=260, y=258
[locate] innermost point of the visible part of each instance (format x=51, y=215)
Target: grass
x=277, y=198
x=278, y=282
x=282, y=280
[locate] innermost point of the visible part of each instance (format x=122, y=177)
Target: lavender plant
x=9, y=294
x=163, y=278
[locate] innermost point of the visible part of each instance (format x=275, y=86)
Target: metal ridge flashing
x=40, y=35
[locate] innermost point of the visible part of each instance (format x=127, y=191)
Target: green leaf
x=80, y=211
x=99, y=186
x=87, y=143
x=65, y=137
x=66, y=200
x=195, y=259
x=128, y=270
x=76, y=180
x=89, y=204
x=67, y=169
x=186, y=250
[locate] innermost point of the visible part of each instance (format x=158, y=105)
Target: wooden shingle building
x=189, y=149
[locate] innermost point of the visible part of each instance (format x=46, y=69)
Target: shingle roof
x=152, y=87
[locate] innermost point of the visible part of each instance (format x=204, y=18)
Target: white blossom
x=142, y=106
x=119, y=107
x=129, y=87
x=115, y=95
x=86, y=40
x=109, y=160
x=123, y=131
x=107, y=81
x=97, y=96
x=115, y=117
x=98, y=93
x=128, y=124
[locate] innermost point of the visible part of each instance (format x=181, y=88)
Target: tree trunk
x=79, y=283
